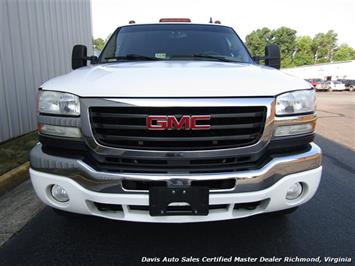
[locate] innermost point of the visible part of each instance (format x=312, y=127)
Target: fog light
x=294, y=191
x=59, y=193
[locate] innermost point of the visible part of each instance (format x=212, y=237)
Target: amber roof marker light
x=175, y=20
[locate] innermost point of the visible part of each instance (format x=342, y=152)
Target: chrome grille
x=125, y=127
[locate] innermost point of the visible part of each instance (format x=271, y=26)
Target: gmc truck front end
x=141, y=159
x=175, y=122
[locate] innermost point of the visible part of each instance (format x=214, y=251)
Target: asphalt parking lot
x=336, y=117
x=322, y=227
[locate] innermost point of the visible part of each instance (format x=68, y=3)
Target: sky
x=308, y=17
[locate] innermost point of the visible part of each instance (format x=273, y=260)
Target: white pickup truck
x=175, y=122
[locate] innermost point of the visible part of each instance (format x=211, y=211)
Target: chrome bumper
x=247, y=181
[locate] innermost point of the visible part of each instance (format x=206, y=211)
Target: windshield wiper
x=217, y=57
x=132, y=57
x=207, y=56
x=135, y=57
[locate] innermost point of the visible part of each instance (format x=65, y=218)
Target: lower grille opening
x=247, y=205
x=142, y=185
x=211, y=184
x=104, y=207
x=183, y=208
x=215, y=184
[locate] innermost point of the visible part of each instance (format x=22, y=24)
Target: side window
x=110, y=48
x=119, y=44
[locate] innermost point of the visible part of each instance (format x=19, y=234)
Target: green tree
x=303, y=54
x=344, y=52
x=99, y=44
x=298, y=51
x=323, y=46
x=285, y=38
x=257, y=40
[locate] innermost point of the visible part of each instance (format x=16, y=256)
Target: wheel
x=286, y=211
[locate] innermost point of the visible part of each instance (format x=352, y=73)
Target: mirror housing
x=79, y=56
x=272, y=56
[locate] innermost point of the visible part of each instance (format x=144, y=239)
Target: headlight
x=296, y=102
x=59, y=103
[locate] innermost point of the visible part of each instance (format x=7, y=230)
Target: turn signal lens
x=69, y=132
x=293, y=130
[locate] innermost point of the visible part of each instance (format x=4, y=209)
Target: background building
x=37, y=38
x=328, y=71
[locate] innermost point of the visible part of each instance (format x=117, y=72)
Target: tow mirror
x=272, y=56
x=79, y=56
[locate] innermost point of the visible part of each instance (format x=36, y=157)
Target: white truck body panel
x=175, y=79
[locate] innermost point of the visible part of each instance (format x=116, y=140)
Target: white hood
x=175, y=79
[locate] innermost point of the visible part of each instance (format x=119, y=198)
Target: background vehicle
x=349, y=84
x=316, y=83
x=331, y=85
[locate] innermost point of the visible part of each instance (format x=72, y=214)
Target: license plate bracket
x=161, y=197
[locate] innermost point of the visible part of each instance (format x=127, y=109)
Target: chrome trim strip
x=191, y=102
x=298, y=119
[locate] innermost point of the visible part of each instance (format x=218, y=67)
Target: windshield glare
x=172, y=41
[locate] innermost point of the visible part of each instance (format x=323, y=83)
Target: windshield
x=175, y=42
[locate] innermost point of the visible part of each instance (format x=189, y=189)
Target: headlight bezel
x=310, y=110
x=58, y=103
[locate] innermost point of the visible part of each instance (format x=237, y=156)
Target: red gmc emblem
x=170, y=122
